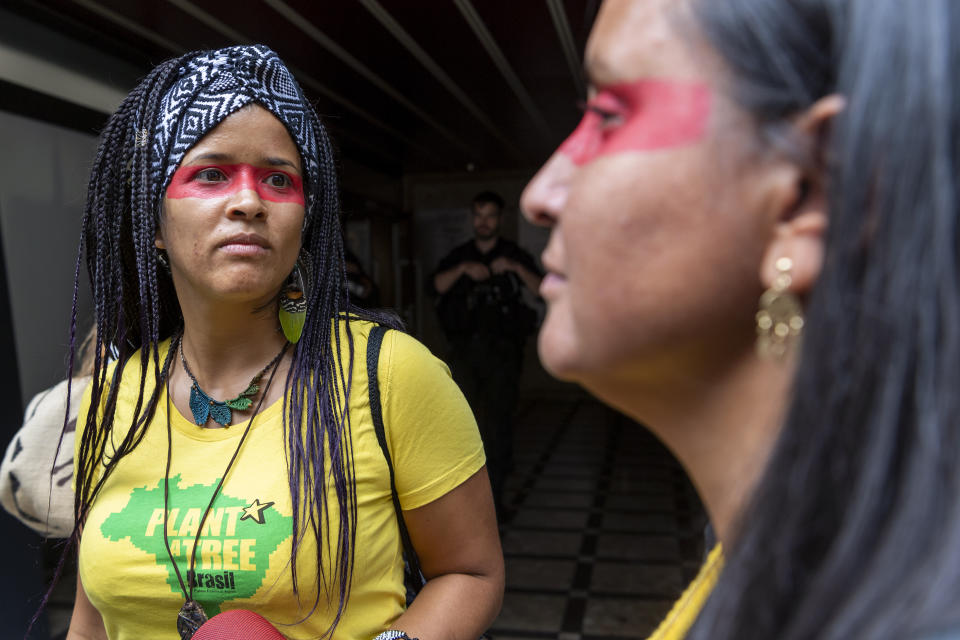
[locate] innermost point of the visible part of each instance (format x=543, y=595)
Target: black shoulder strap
x=374, y=341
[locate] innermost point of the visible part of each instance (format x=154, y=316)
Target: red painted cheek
x=654, y=115
x=187, y=183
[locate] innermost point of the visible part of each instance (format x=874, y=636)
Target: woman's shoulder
x=404, y=364
x=397, y=347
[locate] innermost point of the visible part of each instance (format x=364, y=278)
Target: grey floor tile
x=638, y=547
x=564, y=499
x=512, y=496
x=642, y=502
x=530, y=612
x=555, y=483
x=595, y=462
x=640, y=473
x=627, y=485
x=577, y=451
x=623, y=617
x=640, y=522
x=647, y=459
x=650, y=580
x=571, y=470
x=550, y=519
x=527, y=573
x=542, y=543
x=515, y=481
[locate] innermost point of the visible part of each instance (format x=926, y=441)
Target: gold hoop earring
x=780, y=317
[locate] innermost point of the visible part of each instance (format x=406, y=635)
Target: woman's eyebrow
x=280, y=162
x=216, y=156
x=212, y=155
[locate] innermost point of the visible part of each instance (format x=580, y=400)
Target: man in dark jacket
x=482, y=312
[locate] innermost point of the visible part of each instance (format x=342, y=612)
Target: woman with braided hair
x=234, y=456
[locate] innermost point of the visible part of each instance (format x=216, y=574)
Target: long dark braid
x=136, y=307
x=324, y=424
x=132, y=308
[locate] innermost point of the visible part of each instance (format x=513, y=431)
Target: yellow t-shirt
x=686, y=609
x=243, y=556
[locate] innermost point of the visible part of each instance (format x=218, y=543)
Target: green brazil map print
x=234, y=549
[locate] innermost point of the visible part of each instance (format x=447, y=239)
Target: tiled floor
x=606, y=529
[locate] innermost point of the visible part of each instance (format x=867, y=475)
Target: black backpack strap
x=374, y=341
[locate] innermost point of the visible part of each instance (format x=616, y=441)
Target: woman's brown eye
x=279, y=181
x=211, y=175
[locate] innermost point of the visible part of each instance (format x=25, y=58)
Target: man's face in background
x=486, y=220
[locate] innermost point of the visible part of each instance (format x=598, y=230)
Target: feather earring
x=293, y=299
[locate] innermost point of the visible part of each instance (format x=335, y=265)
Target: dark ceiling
x=404, y=85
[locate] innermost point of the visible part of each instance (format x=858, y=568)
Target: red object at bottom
x=237, y=624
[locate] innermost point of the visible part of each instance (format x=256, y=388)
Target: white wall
x=43, y=177
x=36, y=57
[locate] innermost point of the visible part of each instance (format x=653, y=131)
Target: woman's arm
x=458, y=545
x=86, y=623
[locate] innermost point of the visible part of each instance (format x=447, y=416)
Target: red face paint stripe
x=647, y=115
x=187, y=183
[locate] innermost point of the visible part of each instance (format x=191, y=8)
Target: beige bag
x=34, y=487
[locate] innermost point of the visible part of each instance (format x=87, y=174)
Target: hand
x=502, y=265
x=476, y=270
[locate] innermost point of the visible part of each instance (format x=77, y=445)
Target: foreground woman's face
x=234, y=210
x=653, y=252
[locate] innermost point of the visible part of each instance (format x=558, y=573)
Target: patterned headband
x=214, y=84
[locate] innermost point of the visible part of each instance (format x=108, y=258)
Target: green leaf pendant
x=243, y=401
x=239, y=403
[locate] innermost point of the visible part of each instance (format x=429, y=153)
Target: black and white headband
x=214, y=84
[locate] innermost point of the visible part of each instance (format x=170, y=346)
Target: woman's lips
x=551, y=283
x=243, y=249
x=246, y=245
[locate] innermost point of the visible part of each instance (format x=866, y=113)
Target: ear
x=798, y=231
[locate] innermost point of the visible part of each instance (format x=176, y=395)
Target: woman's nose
x=246, y=202
x=545, y=196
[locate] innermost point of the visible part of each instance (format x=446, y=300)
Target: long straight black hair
x=136, y=308
x=854, y=530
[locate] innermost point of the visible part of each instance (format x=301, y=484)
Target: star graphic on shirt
x=255, y=511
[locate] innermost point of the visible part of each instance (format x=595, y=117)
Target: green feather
x=292, y=324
